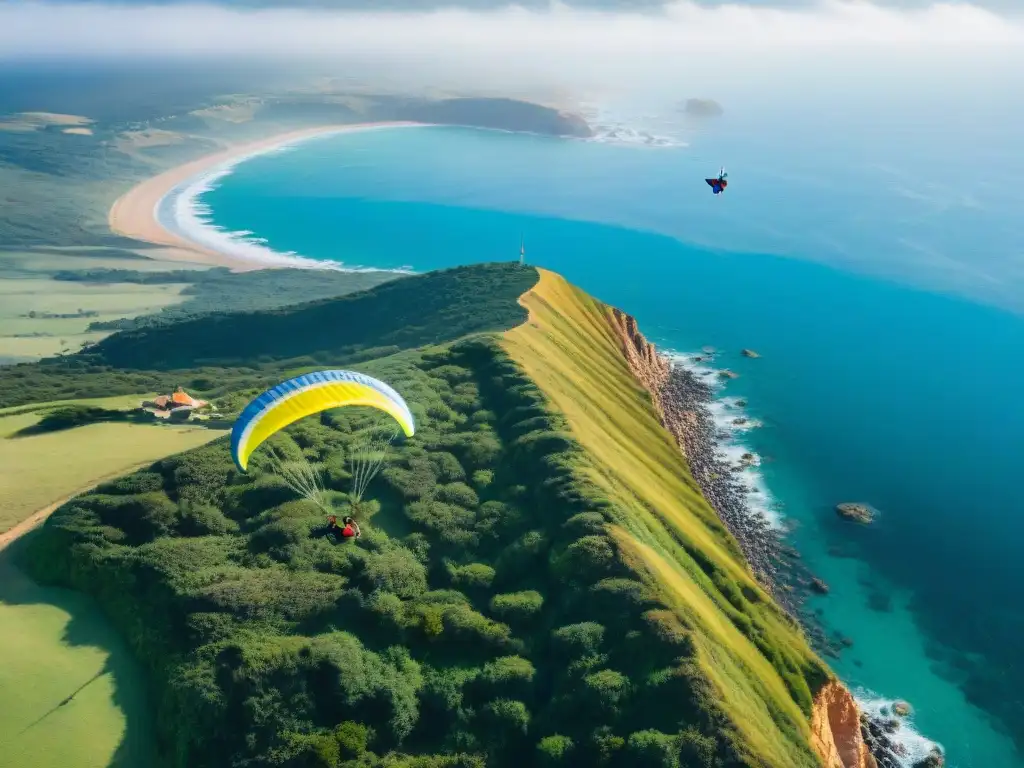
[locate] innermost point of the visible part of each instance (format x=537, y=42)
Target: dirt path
x=40, y=515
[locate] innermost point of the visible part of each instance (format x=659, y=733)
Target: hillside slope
x=761, y=667
x=539, y=580
x=216, y=354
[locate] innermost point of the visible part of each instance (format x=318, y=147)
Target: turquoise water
x=868, y=389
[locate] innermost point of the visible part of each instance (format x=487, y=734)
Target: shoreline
x=135, y=213
x=687, y=401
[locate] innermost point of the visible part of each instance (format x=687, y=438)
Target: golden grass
x=38, y=470
x=571, y=350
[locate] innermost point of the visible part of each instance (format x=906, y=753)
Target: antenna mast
x=522, y=251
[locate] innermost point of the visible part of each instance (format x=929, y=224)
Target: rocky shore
x=685, y=399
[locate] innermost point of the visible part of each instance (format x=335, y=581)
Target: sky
x=579, y=49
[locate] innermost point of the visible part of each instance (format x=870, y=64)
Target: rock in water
x=728, y=375
x=749, y=353
x=856, y=513
x=901, y=708
x=935, y=760
x=819, y=586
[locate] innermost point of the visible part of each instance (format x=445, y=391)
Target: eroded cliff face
x=649, y=368
x=835, y=720
x=835, y=729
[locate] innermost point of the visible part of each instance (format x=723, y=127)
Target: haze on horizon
x=933, y=94
x=735, y=47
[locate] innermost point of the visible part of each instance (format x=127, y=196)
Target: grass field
x=33, y=337
x=54, y=642
x=39, y=470
x=570, y=349
x=117, y=402
x=43, y=261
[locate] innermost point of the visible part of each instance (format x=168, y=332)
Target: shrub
x=438, y=516
x=203, y=520
x=138, y=482
x=459, y=494
x=447, y=467
x=554, y=750
x=395, y=570
x=578, y=639
x=475, y=630
x=606, y=690
x=652, y=749
x=71, y=416
x=517, y=606
x=472, y=576
x=584, y=524
x=506, y=720
x=508, y=676
x=483, y=478
x=697, y=750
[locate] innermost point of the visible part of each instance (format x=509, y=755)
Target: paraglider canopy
x=718, y=184
x=305, y=395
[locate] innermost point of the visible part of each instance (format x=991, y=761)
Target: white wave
x=622, y=133
x=915, y=746
x=725, y=413
x=183, y=213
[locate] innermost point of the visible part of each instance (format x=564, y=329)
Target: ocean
x=891, y=347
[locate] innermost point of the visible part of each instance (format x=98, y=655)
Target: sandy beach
x=133, y=215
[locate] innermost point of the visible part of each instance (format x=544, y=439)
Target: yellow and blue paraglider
x=305, y=395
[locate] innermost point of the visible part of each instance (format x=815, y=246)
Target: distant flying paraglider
x=312, y=393
x=719, y=184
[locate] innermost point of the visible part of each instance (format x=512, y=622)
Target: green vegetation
x=221, y=354
x=221, y=291
x=70, y=692
x=41, y=317
x=519, y=595
x=754, y=657
x=46, y=466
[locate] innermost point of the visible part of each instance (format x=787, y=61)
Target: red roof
x=181, y=398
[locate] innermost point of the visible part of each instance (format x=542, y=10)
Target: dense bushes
x=221, y=355
x=485, y=617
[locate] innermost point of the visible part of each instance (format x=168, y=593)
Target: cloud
x=561, y=45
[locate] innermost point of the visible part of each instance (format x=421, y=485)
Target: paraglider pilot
x=719, y=184
x=349, y=531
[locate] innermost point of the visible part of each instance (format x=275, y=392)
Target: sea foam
x=183, y=212
x=914, y=746
x=724, y=412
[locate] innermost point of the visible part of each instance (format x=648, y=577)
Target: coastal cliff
x=836, y=730
x=563, y=570
x=835, y=719
x=500, y=114
x=649, y=368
